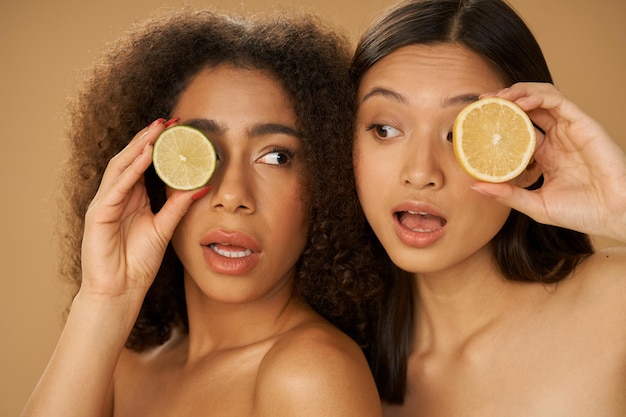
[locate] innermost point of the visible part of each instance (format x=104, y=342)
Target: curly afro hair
x=140, y=79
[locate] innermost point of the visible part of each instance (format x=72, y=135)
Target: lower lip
x=414, y=238
x=229, y=266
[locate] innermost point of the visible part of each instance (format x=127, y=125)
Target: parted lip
x=420, y=234
x=419, y=208
x=231, y=238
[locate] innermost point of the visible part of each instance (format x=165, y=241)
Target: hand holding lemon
x=584, y=169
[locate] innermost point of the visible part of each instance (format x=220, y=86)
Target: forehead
x=442, y=67
x=227, y=90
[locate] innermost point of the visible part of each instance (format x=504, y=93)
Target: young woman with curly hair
x=214, y=301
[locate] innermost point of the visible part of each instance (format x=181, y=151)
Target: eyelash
x=288, y=152
x=377, y=127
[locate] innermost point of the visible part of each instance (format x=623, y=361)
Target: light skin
x=485, y=346
x=253, y=348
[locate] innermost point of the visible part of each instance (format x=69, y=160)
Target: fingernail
x=156, y=122
x=150, y=126
x=171, y=121
x=201, y=193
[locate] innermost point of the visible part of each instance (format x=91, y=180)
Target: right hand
x=584, y=169
x=124, y=242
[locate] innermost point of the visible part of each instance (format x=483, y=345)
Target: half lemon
x=493, y=139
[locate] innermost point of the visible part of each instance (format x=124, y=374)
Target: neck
x=229, y=324
x=454, y=306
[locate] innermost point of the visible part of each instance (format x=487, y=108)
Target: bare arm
x=123, y=245
x=584, y=169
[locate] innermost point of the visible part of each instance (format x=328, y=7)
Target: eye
x=384, y=131
x=450, y=137
x=277, y=157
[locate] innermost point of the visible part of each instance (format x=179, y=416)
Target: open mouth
x=230, y=251
x=421, y=222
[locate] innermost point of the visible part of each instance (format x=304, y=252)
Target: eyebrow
x=460, y=99
x=210, y=126
x=395, y=96
x=386, y=93
x=272, y=129
x=207, y=126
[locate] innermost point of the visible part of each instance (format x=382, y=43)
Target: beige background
x=45, y=45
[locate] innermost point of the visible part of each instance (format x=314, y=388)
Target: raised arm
x=123, y=245
x=584, y=169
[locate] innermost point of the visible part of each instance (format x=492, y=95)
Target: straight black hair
x=524, y=249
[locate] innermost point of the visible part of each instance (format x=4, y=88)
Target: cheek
x=373, y=188
x=298, y=210
x=291, y=213
x=291, y=229
x=361, y=177
x=370, y=170
x=487, y=216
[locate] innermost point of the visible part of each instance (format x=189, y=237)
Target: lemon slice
x=493, y=139
x=184, y=158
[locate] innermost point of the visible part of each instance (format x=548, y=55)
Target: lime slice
x=184, y=158
x=493, y=139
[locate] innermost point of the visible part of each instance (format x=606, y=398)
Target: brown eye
x=277, y=157
x=449, y=137
x=384, y=131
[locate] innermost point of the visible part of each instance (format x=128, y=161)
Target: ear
x=531, y=176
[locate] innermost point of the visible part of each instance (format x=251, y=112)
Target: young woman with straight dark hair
x=495, y=303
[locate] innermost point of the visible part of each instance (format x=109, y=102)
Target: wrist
x=113, y=315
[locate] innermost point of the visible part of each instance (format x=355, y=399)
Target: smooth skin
x=485, y=346
x=253, y=348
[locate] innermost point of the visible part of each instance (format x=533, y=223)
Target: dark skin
x=253, y=347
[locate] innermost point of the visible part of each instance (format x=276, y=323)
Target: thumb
x=520, y=199
x=174, y=209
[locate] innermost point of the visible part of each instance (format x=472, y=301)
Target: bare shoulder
x=315, y=369
x=600, y=282
x=615, y=256
x=605, y=268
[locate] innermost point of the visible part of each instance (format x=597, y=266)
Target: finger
x=526, y=89
x=547, y=107
x=520, y=92
x=525, y=201
x=116, y=191
x=135, y=147
x=174, y=209
x=533, y=96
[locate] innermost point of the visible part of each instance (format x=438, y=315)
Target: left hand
x=584, y=169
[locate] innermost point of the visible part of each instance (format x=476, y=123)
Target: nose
x=422, y=164
x=232, y=188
